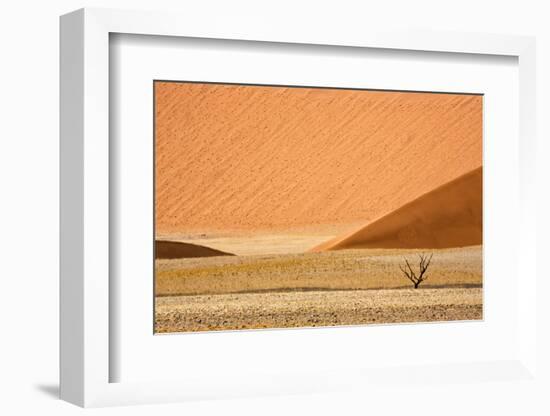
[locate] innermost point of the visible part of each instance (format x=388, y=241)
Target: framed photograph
x=291, y=206
x=272, y=211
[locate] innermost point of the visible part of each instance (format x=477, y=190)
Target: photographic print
x=286, y=206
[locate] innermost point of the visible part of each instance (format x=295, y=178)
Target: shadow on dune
x=179, y=250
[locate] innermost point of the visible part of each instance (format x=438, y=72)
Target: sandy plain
x=342, y=287
x=249, y=244
x=315, y=308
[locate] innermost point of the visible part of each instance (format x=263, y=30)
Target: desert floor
x=344, y=287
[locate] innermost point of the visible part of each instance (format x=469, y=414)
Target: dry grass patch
x=336, y=270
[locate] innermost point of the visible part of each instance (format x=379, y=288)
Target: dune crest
x=178, y=250
x=448, y=216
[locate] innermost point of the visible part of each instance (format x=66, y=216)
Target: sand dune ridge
x=448, y=216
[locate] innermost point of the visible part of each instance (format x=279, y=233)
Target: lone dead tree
x=411, y=275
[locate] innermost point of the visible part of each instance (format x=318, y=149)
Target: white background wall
x=29, y=184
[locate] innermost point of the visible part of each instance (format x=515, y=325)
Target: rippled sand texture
x=262, y=158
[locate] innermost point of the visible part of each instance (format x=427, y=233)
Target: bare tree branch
x=423, y=267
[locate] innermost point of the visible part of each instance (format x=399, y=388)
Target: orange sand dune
x=449, y=216
x=232, y=157
x=177, y=250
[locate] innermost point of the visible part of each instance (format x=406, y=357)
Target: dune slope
x=177, y=250
x=232, y=157
x=448, y=216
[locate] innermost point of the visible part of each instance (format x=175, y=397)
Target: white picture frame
x=86, y=355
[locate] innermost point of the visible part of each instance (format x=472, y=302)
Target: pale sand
x=259, y=158
x=254, y=244
x=316, y=308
